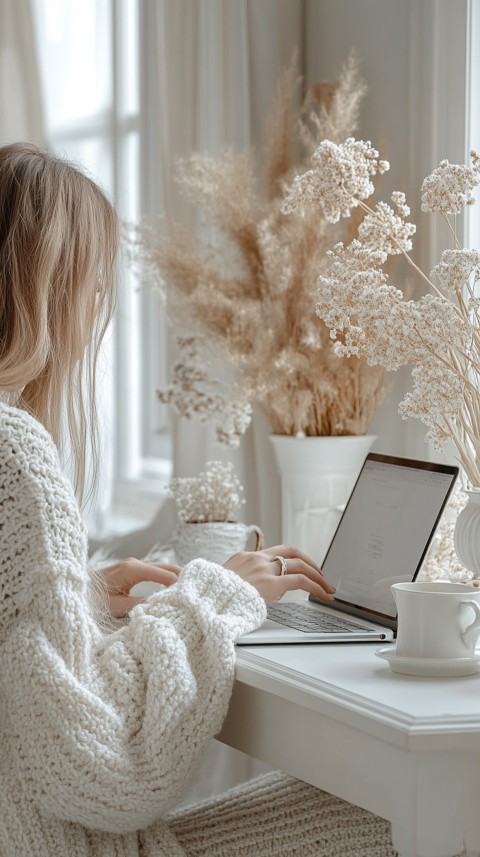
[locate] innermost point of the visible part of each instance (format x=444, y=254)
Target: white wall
x=379, y=30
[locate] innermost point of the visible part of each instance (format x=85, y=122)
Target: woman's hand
x=121, y=577
x=265, y=573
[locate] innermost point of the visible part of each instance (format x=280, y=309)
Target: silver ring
x=283, y=564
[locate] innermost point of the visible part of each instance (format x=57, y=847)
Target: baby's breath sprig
x=213, y=495
x=437, y=335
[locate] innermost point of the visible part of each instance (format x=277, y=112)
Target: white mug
x=437, y=620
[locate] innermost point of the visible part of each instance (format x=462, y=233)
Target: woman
x=103, y=731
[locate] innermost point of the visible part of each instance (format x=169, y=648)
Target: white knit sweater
x=100, y=733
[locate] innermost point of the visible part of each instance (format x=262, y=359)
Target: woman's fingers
x=120, y=605
x=164, y=573
x=169, y=566
x=121, y=577
x=290, y=582
x=156, y=571
x=130, y=581
x=290, y=552
x=299, y=563
x=273, y=578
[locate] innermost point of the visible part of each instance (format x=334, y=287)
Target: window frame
x=136, y=437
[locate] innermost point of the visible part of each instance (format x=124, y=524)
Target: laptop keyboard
x=308, y=619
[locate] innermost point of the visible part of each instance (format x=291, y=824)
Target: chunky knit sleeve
x=104, y=730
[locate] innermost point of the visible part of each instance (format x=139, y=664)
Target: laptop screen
x=385, y=530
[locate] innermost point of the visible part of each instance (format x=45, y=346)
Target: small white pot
x=215, y=541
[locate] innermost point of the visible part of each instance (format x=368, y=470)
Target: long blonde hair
x=58, y=245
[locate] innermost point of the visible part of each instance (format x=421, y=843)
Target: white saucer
x=429, y=666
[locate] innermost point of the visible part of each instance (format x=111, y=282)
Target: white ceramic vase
x=213, y=540
x=466, y=536
x=317, y=477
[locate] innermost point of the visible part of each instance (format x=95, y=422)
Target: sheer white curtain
x=210, y=83
x=20, y=103
x=210, y=70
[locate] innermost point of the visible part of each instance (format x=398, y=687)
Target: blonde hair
x=58, y=245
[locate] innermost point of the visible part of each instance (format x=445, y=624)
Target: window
x=90, y=74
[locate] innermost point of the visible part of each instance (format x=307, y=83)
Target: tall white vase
x=266, y=478
x=317, y=477
x=466, y=536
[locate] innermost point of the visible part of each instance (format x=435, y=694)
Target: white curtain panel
x=216, y=70
x=20, y=102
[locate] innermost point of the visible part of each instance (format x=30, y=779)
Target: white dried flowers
x=213, y=495
x=193, y=393
x=341, y=176
x=439, y=334
x=448, y=188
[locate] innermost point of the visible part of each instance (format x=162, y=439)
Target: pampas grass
x=246, y=299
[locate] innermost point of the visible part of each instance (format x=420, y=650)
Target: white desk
x=403, y=747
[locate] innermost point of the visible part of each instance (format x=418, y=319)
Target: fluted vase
x=466, y=537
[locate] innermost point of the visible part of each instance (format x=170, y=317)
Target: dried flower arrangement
x=439, y=334
x=214, y=495
x=249, y=300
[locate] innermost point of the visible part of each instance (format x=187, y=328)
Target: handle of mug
x=471, y=632
x=259, y=544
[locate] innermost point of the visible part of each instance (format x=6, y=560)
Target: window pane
x=74, y=43
x=93, y=155
x=128, y=186
x=129, y=91
x=156, y=417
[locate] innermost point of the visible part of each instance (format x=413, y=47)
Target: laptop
x=382, y=538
